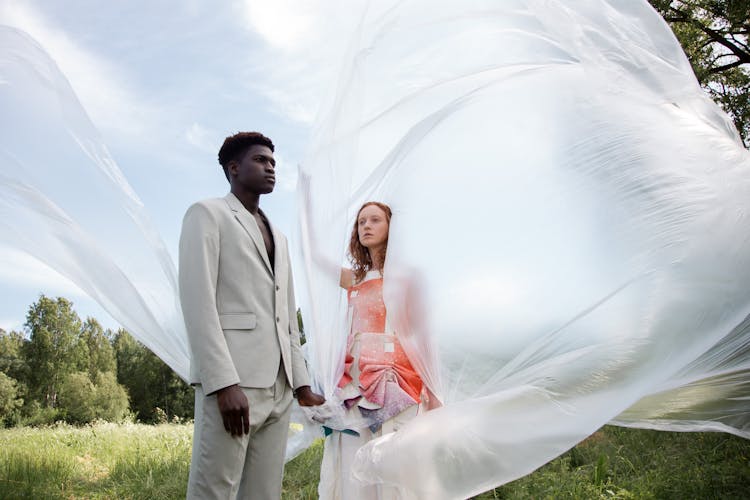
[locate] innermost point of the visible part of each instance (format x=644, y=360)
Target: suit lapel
x=276, y=245
x=248, y=222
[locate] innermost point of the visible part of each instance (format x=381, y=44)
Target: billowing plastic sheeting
x=570, y=242
x=97, y=235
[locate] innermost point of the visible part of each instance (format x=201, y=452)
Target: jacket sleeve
x=198, y=274
x=299, y=368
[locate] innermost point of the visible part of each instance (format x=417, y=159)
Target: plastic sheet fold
x=95, y=231
x=569, y=245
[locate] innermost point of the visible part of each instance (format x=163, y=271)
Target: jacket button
x=278, y=288
x=277, y=319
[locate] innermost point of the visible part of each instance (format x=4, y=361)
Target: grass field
x=151, y=462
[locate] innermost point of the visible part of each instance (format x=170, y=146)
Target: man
x=238, y=302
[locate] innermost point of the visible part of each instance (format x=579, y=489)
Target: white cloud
x=297, y=102
x=285, y=24
x=98, y=82
x=306, y=43
x=286, y=174
x=10, y=324
x=202, y=138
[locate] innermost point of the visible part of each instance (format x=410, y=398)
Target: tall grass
x=135, y=461
x=619, y=463
x=98, y=461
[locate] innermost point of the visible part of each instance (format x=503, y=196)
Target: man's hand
x=306, y=397
x=234, y=409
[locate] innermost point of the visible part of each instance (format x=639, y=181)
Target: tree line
x=61, y=368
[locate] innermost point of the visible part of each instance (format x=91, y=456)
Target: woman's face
x=372, y=227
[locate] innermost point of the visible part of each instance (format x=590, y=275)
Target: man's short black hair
x=235, y=146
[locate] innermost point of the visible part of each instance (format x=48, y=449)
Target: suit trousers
x=243, y=467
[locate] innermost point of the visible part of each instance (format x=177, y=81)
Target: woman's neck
x=376, y=256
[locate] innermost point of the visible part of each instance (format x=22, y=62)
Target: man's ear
x=232, y=168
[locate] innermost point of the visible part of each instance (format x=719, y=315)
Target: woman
x=379, y=389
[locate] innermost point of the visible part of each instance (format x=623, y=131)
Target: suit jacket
x=240, y=314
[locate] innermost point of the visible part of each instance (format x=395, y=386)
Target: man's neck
x=249, y=200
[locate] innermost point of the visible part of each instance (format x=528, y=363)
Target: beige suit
x=241, y=321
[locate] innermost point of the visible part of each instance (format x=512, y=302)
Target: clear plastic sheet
x=570, y=243
x=98, y=235
x=95, y=232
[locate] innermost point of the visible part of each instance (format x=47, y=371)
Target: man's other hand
x=234, y=409
x=306, y=397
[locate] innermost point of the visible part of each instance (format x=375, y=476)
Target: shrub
x=34, y=414
x=77, y=398
x=83, y=401
x=110, y=399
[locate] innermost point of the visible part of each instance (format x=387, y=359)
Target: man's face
x=256, y=171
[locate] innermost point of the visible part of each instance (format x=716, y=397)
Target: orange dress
x=378, y=379
x=380, y=390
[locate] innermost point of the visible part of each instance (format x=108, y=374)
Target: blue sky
x=164, y=83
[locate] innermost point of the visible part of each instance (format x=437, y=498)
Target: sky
x=164, y=83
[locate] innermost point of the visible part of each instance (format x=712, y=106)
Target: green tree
x=12, y=362
x=10, y=401
x=714, y=35
x=53, y=350
x=150, y=382
x=110, y=399
x=101, y=355
x=82, y=400
x=13, y=373
x=76, y=401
